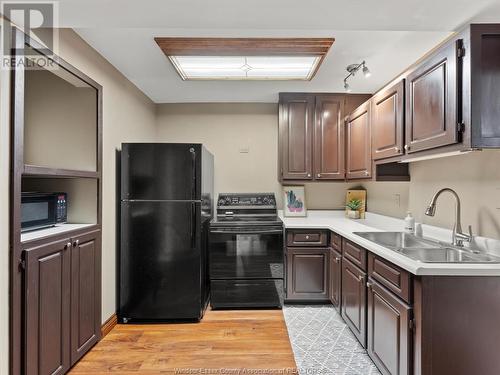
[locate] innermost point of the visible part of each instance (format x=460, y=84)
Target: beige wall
x=227, y=129
x=476, y=179
x=55, y=108
x=128, y=115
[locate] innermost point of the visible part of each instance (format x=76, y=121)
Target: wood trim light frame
x=308, y=53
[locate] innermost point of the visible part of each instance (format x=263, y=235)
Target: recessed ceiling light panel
x=245, y=58
x=245, y=67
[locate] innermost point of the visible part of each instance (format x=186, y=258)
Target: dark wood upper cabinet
x=307, y=273
x=388, y=122
x=296, y=117
x=312, y=135
x=329, y=161
x=47, y=303
x=433, y=94
x=389, y=332
x=359, y=158
x=335, y=278
x=85, y=293
x=484, y=84
x=354, y=299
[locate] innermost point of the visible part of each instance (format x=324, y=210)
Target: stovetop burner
x=255, y=209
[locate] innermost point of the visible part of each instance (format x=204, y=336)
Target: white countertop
x=52, y=231
x=338, y=223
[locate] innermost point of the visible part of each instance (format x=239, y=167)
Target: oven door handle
x=236, y=231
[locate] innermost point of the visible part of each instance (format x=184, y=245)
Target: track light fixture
x=353, y=69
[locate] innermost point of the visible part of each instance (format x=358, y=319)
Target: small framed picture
x=294, y=201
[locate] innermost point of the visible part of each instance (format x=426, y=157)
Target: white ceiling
x=388, y=34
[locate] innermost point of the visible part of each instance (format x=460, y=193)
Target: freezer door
x=161, y=271
x=161, y=171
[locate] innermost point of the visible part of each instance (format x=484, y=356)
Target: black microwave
x=42, y=210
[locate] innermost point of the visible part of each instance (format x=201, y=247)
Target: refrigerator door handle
x=193, y=171
x=193, y=225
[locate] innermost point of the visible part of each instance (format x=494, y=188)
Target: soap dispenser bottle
x=409, y=223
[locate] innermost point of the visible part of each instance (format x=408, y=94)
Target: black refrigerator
x=165, y=207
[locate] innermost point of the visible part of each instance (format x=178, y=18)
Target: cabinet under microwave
x=42, y=210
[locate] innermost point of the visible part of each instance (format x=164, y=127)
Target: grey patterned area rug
x=323, y=344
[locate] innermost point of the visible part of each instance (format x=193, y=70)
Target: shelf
x=37, y=171
x=52, y=231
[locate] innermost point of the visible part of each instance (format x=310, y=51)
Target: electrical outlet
x=397, y=200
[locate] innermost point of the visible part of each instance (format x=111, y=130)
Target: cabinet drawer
x=392, y=277
x=336, y=241
x=354, y=253
x=307, y=237
x=246, y=293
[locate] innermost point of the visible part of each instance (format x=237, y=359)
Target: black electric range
x=246, y=252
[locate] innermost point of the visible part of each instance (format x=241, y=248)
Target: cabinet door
x=85, y=293
x=359, y=156
x=354, y=299
x=335, y=278
x=388, y=331
x=307, y=273
x=388, y=122
x=329, y=138
x=431, y=106
x=295, y=136
x=47, y=308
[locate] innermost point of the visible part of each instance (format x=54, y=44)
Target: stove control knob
x=221, y=202
x=266, y=200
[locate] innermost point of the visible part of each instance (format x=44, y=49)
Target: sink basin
x=398, y=240
x=425, y=250
x=438, y=255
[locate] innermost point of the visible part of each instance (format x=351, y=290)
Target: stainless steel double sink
x=426, y=250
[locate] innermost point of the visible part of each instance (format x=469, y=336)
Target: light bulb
x=366, y=72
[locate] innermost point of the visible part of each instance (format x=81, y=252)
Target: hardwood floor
x=223, y=342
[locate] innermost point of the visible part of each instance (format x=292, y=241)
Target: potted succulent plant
x=353, y=207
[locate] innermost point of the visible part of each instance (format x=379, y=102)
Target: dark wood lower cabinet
x=307, y=273
x=335, y=278
x=410, y=325
x=62, y=299
x=85, y=293
x=389, y=333
x=47, y=308
x=354, y=299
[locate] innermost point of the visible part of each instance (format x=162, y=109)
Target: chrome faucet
x=458, y=237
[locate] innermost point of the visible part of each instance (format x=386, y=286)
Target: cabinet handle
x=368, y=284
x=307, y=237
x=337, y=259
x=397, y=149
x=308, y=175
x=319, y=174
x=407, y=147
x=367, y=173
x=361, y=279
x=76, y=243
x=67, y=246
